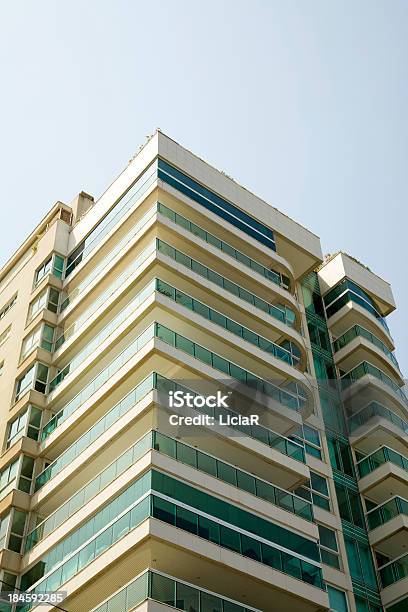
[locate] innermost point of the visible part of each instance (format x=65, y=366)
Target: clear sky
x=303, y=102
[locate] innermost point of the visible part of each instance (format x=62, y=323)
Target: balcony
x=183, y=453
x=377, y=425
x=172, y=593
x=293, y=401
x=388, y=526
x=383, y=474
x=185, y=300
x=366, y=383
x=356, y=343
x=155, y=381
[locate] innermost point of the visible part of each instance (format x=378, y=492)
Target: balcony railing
x=80, y=398
x=382, y=455
x=172, y=448
x=91, y=347
x=162, y=384
x=121, y=247
x=276, y=277
x=105, y=295
x=387, y=511
x=280, y=312
x=170, y=592
x=374, y=409
x=294, y=401
x=366, y=368
x=270, y=347
x=355, y=332
x=394, y=571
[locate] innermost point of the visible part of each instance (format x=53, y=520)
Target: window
x=49, y=298
x=319, y=336
x=340, y=455
x=325, y=371
x=7, y=476
x=328, y=547
x=211, y=201
x=26, y=424
x=317, y=491
x=53, y=265
x=349, y=505
x=7, y=307
x=360, y=562
x=35, y=378
x=310, y=437
x=17, y=526
x=5, y=335
x=313, y=302
x=42, y=336
x=337, y=599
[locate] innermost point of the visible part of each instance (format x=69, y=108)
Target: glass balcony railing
x=257, y=432
x=280, y=312
x=366, y=368
x=130, y=351
x=276, y=277
x=105, y=295
x=112, y=218
x=379, y=457
x=191, y=521
x=357, y=331
x=164, y=385
x=270, y=347
x=232, y=475
x=170, y=592
x=228, y=324
x=294, y=401
x=394, y=571
x=387, y=511
x=172, y=448
x=120, y=247
x=374, y=409
x=92, y=346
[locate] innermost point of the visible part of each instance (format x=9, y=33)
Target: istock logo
x=179, y=399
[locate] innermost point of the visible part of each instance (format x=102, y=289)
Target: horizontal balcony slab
x=394, y=592
x=377, y=432
x=360, y=349
x=384, y=482
x=391, y=538
x=193, y=476
x=170, y=550
x=354, y=314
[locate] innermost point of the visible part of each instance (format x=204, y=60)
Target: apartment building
x=178, y=279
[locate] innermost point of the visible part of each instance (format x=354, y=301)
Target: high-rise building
x=280, y=484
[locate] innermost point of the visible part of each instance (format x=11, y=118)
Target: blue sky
x=303, y=102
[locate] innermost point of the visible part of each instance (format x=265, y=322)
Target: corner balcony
x=374, y=426
x=165, y=592
x=366, y=383
x=388, y=527
x=383, y=474
x=358, y=344
x=394, y=580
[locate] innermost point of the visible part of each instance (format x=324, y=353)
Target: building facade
x=177, y=279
